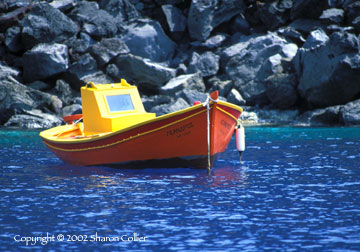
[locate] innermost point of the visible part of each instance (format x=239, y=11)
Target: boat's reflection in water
x=222, y=175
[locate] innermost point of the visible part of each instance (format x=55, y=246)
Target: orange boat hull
x=179, y=137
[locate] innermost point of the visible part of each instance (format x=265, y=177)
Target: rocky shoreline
x=292, y=62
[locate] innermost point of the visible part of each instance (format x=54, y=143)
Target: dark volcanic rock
x=122, y=10
x=207, y=64
x=332, y=16
x=329, y=73
x=33, y=119
x=188, y=81
x=16, y=96
x=275, y=14
x=179, y=104
x=256, y=60
x=142, y=71
x=94, y=21
x=205, y=15
x=281, y=90
x=350, y=113
x=146, y=38
x=235, y=97
x=45, y=24
x=45, y=60
x=175, y=20
x=190, y=96
x=308, y=8
x=108, y=49
x=13, y=39
x=327, y=116
x=5, y=71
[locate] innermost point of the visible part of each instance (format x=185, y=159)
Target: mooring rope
x=207, y=104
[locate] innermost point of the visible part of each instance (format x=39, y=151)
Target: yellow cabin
x=111, y=107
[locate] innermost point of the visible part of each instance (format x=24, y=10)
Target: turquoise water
x=297, y=189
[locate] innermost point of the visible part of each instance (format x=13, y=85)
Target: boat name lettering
x=225, y=124
x=179, y=129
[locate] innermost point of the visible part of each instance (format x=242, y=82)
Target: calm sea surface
x=298, y=189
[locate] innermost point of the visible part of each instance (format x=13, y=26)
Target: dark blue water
x=298, y=189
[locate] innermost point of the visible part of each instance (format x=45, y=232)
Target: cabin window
x=118, y=103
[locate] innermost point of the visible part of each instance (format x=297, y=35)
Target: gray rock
x=122, y=10
x=207, y=64
x=71, y=110
x=143, y=71
x=281, y=90
x=223, y=86
x=175, y=20
x=308, y=8
x=5, y=71
x=275, y=14
x=63, y=5
x=256, y=60
x=305, y=25
x=94, y=21
x=45, y=24
x=315, y=39
x=78, y=70
x=350, y=113
x=155, y=100
x=107, y=49
x=332, y=16
x=33, y=119
x=177, y=105
x=39, y=85
x=240, y=24
x=291, y=34
x=45, y=60
x=329, y=73
x=146, y=38
x=188, y=81
x=190, y=96
x=13, y=39
x=81, y=45
x=211, y=43
x=327, y=116
x=204, y=16
x=16, y=96
x=97, y=77
x=235, y=97
x=352, y=11
x=63, y=90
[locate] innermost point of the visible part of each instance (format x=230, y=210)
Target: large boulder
x=329, y=73
x=146, y=38
x=13, y=39
x=350, y=113
x=205, y=15
x=107, y=49
x=96, y=22
x=275, y=13
x=188, y=81
x=45, y=24
x=143, y=71
x=281, y=90
x=33, y=119
x=311, y=9
x=256, y=60
x=5, y=71
x=207, y=64
x=179, y=104
x=79, y=70
x=16, y=96
x=45, y=60
x=122, y=10
x=332, y=16
x=175, y=20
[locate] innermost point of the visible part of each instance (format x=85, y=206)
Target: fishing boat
x=117, y=131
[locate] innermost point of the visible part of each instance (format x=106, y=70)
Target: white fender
x=240, y=138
